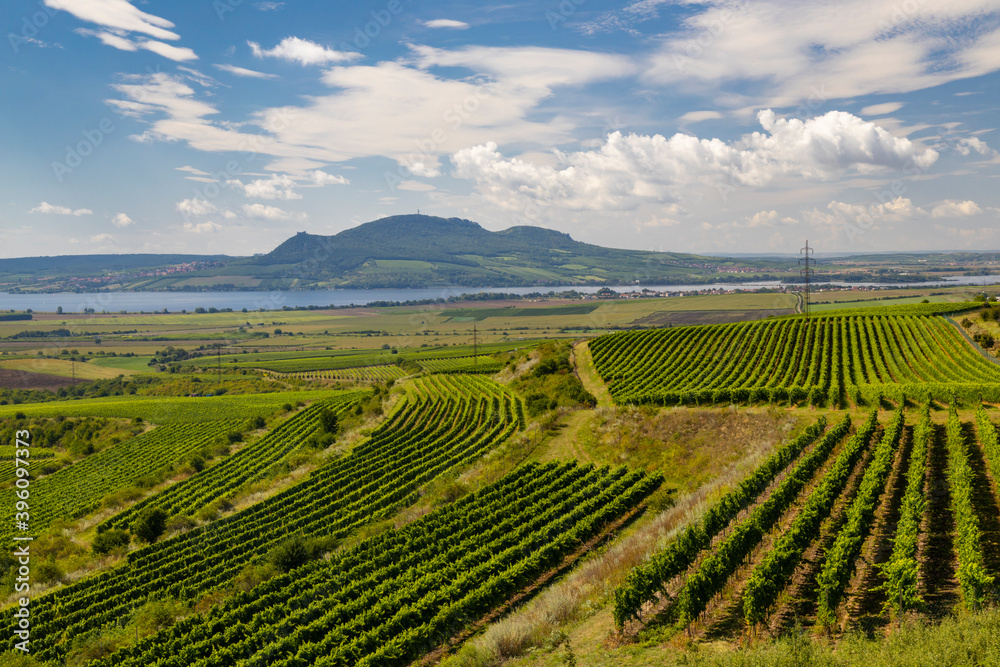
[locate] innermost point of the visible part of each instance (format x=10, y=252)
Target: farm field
x=827, y=359
x=651, y=495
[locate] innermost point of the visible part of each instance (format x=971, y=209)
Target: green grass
x=130, y=364
x=165, y=410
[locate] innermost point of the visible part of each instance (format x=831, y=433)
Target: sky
x=226, y=126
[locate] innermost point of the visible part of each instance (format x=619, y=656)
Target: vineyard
x=247, y=465
x=828, y=360
x=398, y=595
x=77, y=489
x=389, y=524
x=445, y=422
x=826, y=531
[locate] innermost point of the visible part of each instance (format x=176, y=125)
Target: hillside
x=397, y=251
x=423, y=251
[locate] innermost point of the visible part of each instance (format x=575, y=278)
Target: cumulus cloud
x=295, y=49
x=320, y=177
x=278, y=186
x=206, y=227
x=952, y=208
x=122, y=220
x=244, y=72
x=269, y=212
x=631, y=168
x=446, y=23
x=195, y=207
x=53, y=209
x=854, y=220
x=967, y=145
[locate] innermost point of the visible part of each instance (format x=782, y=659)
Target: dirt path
x=585, y=370
x=935, y=552
x=864, y=601
x=798, y=602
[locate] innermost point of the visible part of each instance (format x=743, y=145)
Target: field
x=693, y=494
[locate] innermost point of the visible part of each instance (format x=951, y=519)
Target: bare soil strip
x=984, y=501
x=935, y=549
x=800, y=595
x=864, y=601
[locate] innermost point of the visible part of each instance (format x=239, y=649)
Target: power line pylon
x=806, y=272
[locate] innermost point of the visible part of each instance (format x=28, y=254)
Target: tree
x=150, y=524
x=328, y=420
x=59, y=310
x=108, y=540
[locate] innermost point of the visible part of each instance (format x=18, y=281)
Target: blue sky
x=225, y=126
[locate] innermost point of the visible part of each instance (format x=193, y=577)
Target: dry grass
x=589, y=588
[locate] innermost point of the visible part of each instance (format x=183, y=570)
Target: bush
x=294, y=552
x=109, y=540
x=328, y=420
x=149, y=525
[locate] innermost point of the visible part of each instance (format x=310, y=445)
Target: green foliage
x=643, y=582
x=109, y=540
x=149, y=524
x=293, y=553
x=818, y=361
x=552, y=382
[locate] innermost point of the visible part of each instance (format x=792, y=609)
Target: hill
x=424, y=251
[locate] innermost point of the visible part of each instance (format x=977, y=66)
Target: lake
x=72, y=302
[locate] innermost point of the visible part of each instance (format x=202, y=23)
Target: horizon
x=644, y=126
x=719, y=254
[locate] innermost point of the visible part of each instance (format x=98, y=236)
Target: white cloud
x=881, y=109
x=192, y=170
x=242, y=71
x=952, y=208
x=294, y=49
x=854, y=220
x=119, y=19
x=278, y=186
x=446, y=23
x=119, y=14
x=268, y=212
x=698, y=116
x=177, y=53
x=122, y=220
x=102, y=238
x=851, y=47
x=629, y=169
x=390, y=109
x=320, y=177
x=529, y=66
x=195, y=207
x=967, y=145
x=53, y=209
x=207, y=227
x=269, y=6
x=415, y=186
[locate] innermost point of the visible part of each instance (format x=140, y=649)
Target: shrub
x=109, y=540
x=150, y=524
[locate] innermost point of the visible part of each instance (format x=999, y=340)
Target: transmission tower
x=806, y=271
